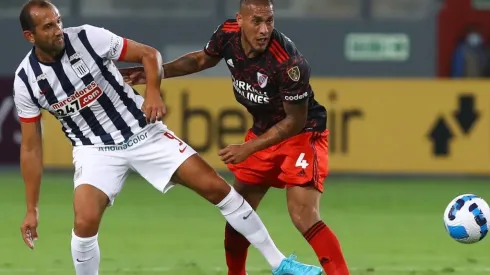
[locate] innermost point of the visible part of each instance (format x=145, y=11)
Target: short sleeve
x=294, y=79
x=105, y=43
x=218, y=40
x=27, y=110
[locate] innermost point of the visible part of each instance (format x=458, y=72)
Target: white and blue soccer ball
x=467, y=218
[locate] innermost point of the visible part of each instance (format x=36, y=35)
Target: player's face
x=257, y=24
x=48, y=30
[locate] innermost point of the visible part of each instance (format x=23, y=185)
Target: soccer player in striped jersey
x=287, y=146
x=70, y=73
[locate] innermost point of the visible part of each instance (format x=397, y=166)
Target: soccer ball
x=467, y=218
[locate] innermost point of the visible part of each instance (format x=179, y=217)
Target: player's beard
x=52, y=48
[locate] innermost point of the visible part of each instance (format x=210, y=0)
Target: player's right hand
x=29, y=228
x=133, y=75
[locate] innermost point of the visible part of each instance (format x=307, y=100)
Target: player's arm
x=197, y=61
x=295, y=91
x=31, y=159
x=187, y=64
x=291, y=125
x=110, y=46
x=151, y=60
x=190, y=63
x=114, y=47
x=31, y=162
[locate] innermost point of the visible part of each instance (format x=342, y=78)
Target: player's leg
x=98, y=179
x=236, y=245
x=89, y=204
x=197, y=175
x=306, y=170
x=164, y=157
x=304, y=209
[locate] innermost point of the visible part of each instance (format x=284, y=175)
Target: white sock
x=245, y=220
x=86, y=255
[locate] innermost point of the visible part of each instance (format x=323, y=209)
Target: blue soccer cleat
x=290, y=266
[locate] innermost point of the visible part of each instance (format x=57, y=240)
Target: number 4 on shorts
x=301, y=162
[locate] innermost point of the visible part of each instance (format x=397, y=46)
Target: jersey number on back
x=301, y=162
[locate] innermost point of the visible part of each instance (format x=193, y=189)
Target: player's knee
x=303, y=216
x=216, y=188
x=86, y=224
x=219, y=193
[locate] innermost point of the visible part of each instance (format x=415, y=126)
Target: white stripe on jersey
x=83, y=89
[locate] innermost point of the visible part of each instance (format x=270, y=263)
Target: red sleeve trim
x=124, y=49
x=30, y=119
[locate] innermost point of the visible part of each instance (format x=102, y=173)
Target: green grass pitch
x=386, y=227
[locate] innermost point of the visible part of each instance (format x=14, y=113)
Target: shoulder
x=283, y=49
x=229, y=26
x=221, y=37
x=23, y=67
x=88, y=30
x=227, y=29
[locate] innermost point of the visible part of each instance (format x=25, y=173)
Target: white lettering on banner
x=8, y=106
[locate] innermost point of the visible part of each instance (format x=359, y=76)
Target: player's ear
x=239, y=19
x=29, y=37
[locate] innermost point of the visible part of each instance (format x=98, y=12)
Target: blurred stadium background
x=405, y=82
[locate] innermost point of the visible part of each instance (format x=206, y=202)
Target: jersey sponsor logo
x=294, y=73
x=42, y=76
x=77, y=101
x=132, y=141
x=262, y=80
x=249, y=92
x=296, y=97
x=116, y=44
x=75, y=56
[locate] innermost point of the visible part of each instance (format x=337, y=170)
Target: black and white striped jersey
x=83, y=89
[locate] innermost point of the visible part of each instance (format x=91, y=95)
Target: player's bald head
x=25, y=17
x=244, y=3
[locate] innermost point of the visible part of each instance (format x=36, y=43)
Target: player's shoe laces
x=290, y=266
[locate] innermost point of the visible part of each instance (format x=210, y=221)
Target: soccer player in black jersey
x=287, y=146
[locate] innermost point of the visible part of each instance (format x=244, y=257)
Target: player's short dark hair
x=248, y=2
x=25, y=14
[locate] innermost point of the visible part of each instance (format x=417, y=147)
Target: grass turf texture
x=386, y=227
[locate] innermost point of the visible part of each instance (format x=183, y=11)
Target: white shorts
x=155, y=153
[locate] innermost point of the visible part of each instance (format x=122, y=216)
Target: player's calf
x=89, y=204
x=236, y=246
x=303, y=205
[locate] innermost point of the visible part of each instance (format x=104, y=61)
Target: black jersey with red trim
x=262, y=83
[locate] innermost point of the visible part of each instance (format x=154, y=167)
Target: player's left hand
x=153, y=107
x=234, y=153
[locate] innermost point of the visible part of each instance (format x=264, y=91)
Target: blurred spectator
x=470, y=59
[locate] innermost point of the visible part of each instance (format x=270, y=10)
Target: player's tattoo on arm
x=281, y=132
x=185, y=65
x=292, y=124
x=190, y=63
